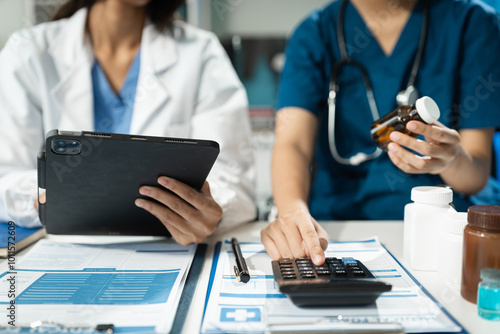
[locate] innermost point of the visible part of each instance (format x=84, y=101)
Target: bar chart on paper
x=134, y=286
x=100, y=287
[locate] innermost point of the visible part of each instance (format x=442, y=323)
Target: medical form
x=259, y=307
x=135, y=286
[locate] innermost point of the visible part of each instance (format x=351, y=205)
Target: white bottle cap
x=432, y=195
x=427, y=109
x=455, y=222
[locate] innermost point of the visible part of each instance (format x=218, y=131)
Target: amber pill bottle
x=424, y=110
x=481, y=247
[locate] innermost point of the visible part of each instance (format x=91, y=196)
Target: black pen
x=240, y=269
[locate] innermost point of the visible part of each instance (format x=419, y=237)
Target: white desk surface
x=390, y=234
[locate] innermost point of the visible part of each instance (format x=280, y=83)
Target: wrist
x=292, y=209
x=454, y=161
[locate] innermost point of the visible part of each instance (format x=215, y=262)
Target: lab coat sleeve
x=221, y=114
x=20, y=134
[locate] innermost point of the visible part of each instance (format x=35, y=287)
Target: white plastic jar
x=421, y=225
x=451, y=239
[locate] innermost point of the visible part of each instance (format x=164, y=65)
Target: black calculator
x=338, y=282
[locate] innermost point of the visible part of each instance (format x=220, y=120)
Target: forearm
x=294, y=234
x=467, y=174
x=290, y=179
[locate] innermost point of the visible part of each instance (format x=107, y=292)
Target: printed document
x=135, y=286
x=258, y=306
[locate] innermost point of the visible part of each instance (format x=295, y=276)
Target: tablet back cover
x=93, y=192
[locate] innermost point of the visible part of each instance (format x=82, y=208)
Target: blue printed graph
x=99, y=288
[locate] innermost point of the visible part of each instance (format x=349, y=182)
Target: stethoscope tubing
x=403, y=97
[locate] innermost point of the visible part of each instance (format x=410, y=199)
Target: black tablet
x=92, y=179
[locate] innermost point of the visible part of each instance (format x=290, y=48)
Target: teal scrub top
x=460, y=70
x=113, y=112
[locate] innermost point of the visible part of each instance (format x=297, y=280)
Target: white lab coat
x=186, y=88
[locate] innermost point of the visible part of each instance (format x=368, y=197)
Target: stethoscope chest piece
x=408, y=96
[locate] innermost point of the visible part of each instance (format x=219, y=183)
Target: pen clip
x=237, y=274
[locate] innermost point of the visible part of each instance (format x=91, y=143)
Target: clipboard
x=221, y=255
x=189, y=288
x=107, y=323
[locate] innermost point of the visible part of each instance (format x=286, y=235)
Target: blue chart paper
x=136, y=286
x=103, y=288
x=259, y=307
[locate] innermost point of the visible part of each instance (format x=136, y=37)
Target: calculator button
x=302, y=269
x=340, y=272
x=358, y=273
x=285, y=260
x=288, y=270
x=308, y=276
x=286, y=265
x=349, y=260
x=336, y=263
x=308, y=272
x=354, y=268
x=289, y=276
x=305, y=264
x=321, y=268
x=323, y=272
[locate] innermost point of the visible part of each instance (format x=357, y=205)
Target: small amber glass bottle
x=481, y=247
x=424, y=110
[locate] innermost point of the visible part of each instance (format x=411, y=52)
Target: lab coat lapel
x=73, y=56
x=158, y=54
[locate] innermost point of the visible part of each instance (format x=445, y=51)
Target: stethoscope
x=405, y=97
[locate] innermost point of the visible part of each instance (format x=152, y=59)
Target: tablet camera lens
x=70, y=147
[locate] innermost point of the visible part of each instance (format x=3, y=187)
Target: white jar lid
x=455, y=222
x=432, y=195
x=427, y=109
